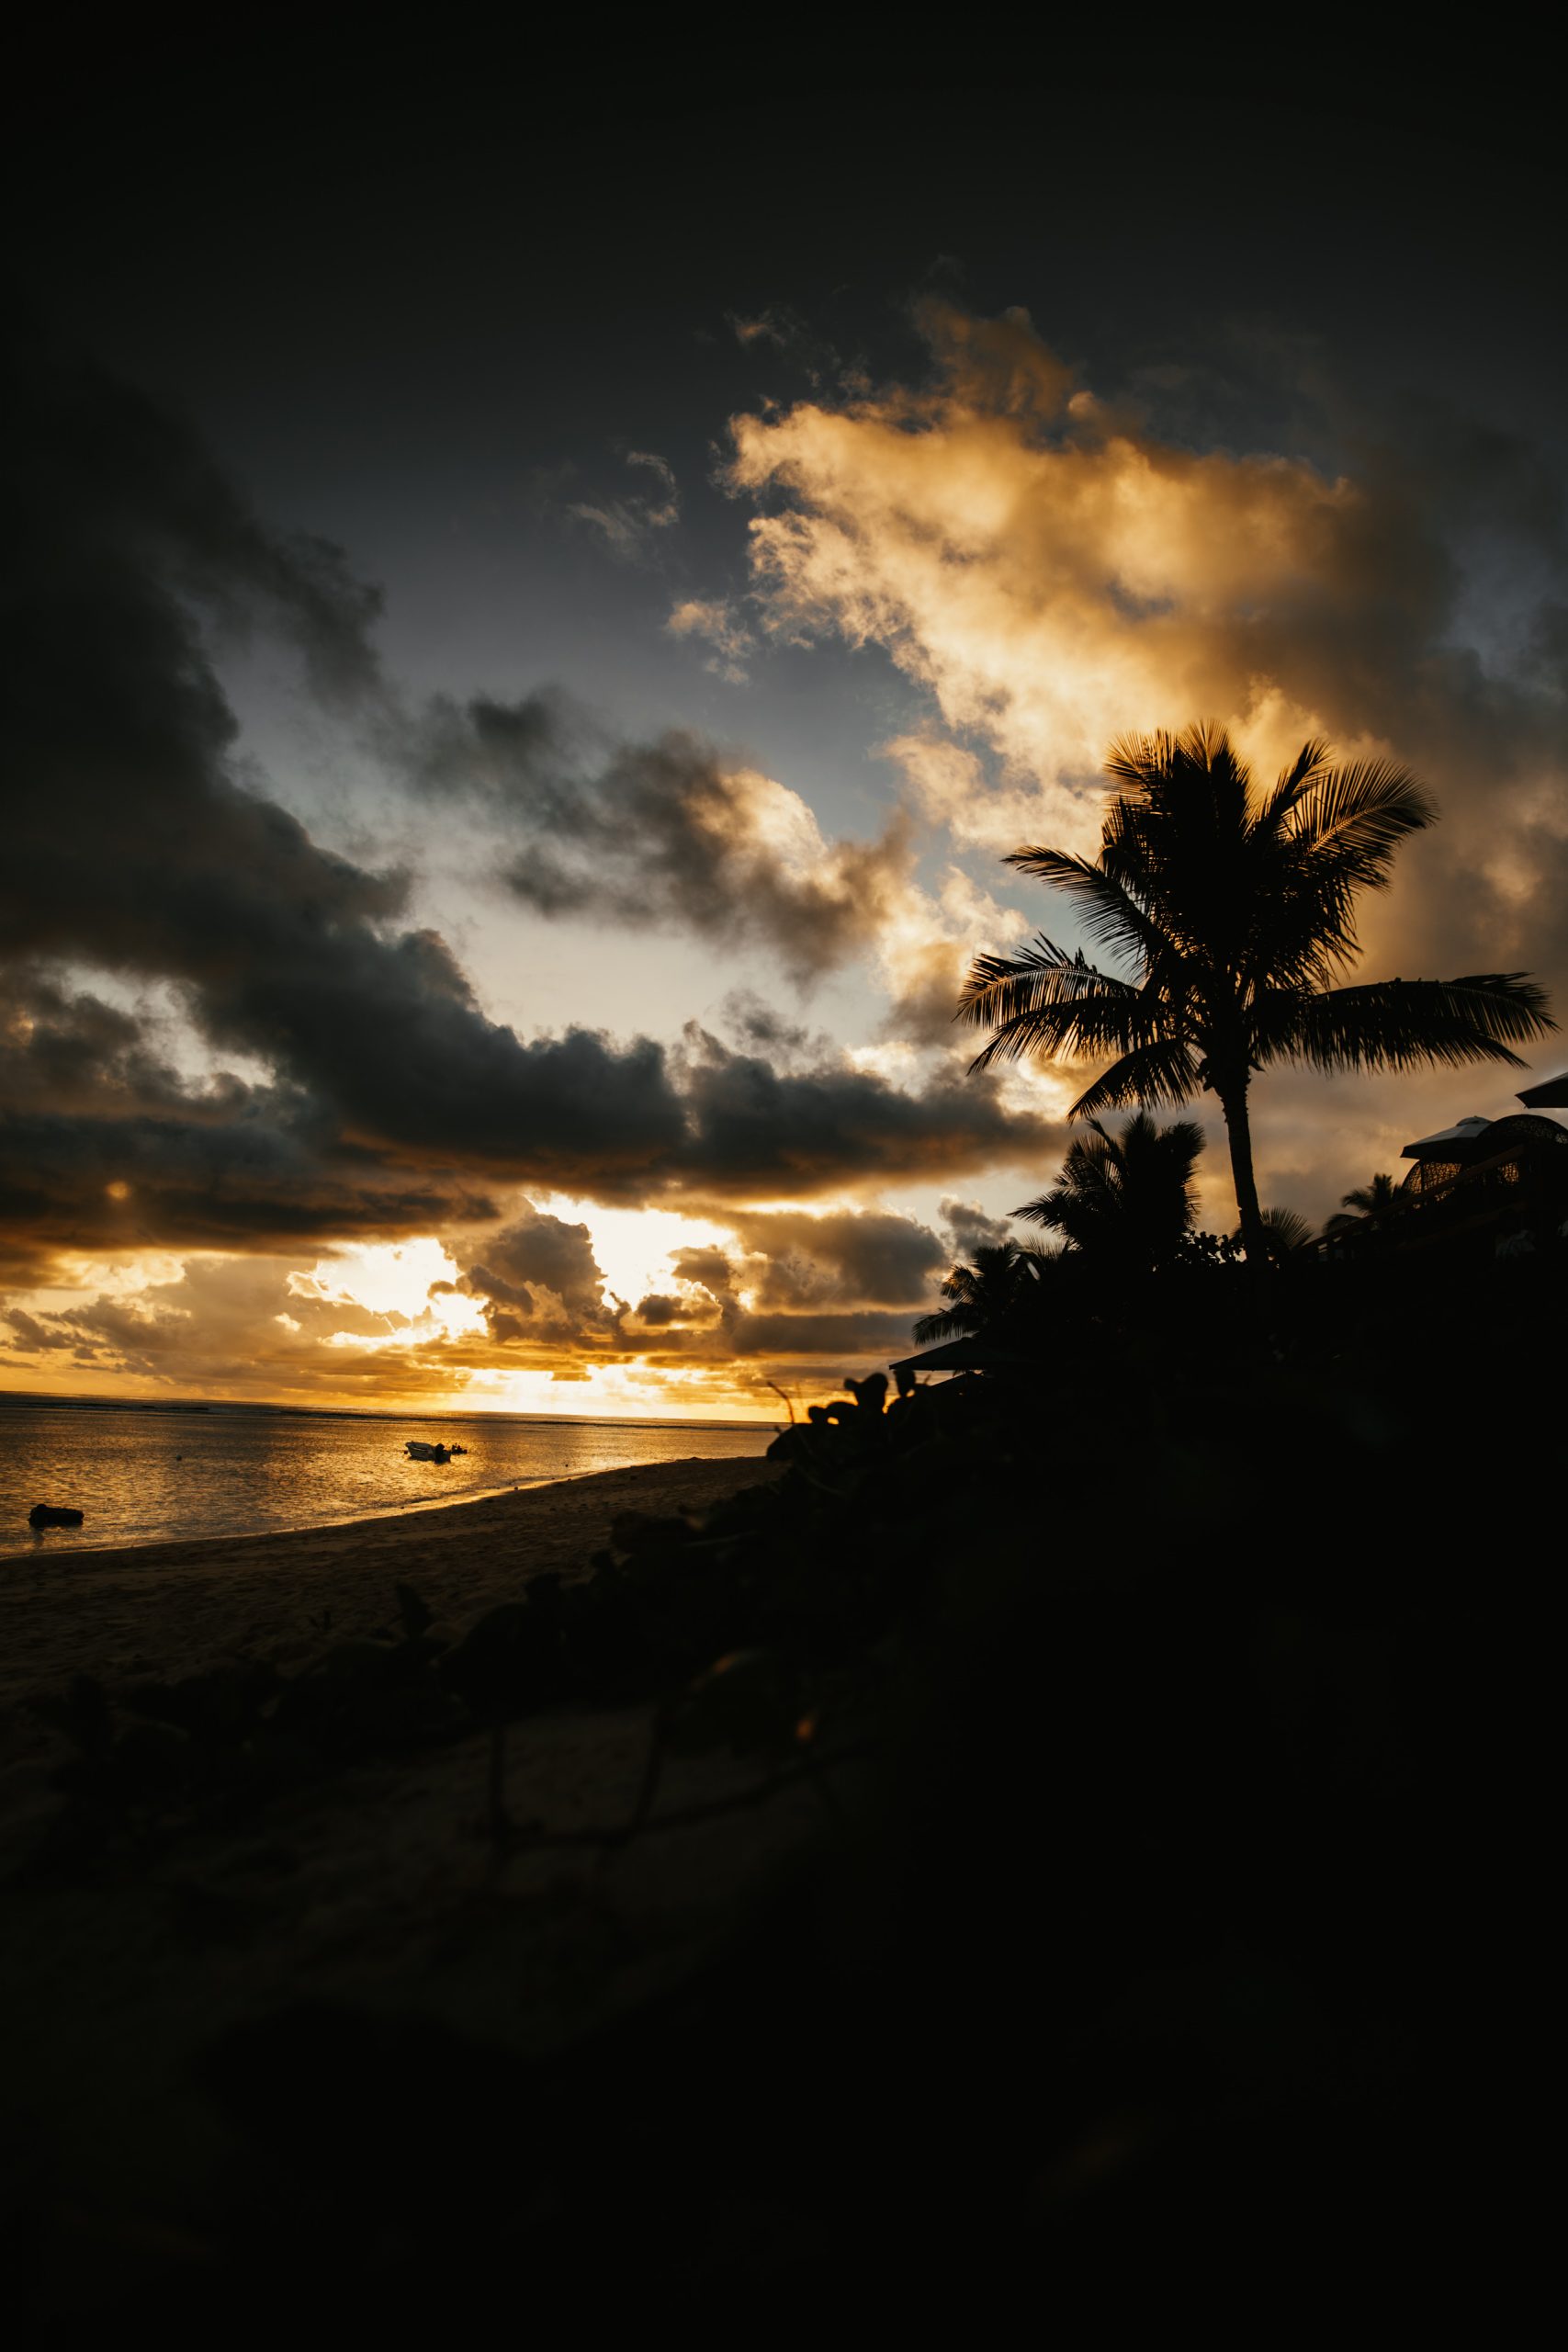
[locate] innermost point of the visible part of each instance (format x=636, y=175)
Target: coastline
x=50, y=1548
x=371, y=1891
x=163, y=1610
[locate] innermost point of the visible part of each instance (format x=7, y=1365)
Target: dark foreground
x=1093, y=1878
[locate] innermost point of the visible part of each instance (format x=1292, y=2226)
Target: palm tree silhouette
x=1001, y=1279
x=1125, y=1200
x=1369, y=1203
x=1235, y=912
x=1284, y=1230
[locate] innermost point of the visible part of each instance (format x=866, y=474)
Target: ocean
x=167, y=1474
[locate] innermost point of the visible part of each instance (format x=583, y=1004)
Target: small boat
x=419, y=1450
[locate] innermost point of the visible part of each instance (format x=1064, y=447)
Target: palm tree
x=1369, y=1203
x=1001, y=1280
x=1125, y=1200
x=1284, y=1230
x=1235, y=912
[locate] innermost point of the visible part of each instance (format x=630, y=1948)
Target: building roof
x=1458, y=1142
x=971, y=1353
x=1552, y=1094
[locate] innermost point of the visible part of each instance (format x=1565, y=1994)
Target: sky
x=533, y=637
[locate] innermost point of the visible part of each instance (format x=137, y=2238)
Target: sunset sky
x=531, y=642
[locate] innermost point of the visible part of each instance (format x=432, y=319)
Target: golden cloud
x=1054, y=573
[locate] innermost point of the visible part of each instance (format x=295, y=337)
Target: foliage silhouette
x=1001, y=1283
x=1284, y=1230
x=1368, y=1204
x=1174, y=1838
x=1235, y=912
x=1125, y=1201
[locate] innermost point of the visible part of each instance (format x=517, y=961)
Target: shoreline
x=165, y=1610
x=42, y=1551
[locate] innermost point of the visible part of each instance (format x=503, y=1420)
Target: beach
x=163, y=1610
x=376, y=1890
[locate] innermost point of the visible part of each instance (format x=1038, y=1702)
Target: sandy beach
x=171, y=1608
x=377, y=1887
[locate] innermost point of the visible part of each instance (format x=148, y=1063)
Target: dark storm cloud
x=849, y=1337
x=762, y=1028
x=755, y=1130
x=32, y=1336
x=68, y=1050
x=389, y=1103
x=532, y=1254
x=131, y=844
x=660, y=1312
x=852, y=1258
x=103, y=1146
x=669, y=835
x=707, y=1268
x=795, y=1286
x=104, y=1185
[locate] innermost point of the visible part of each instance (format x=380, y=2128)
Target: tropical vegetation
x=1228, y=914
x=1367, y=1203
x=1125, y=1200
x=1001, y=1281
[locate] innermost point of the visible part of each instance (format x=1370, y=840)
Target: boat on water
x=419, y=1449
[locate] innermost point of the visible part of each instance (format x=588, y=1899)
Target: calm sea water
x=154, y=1477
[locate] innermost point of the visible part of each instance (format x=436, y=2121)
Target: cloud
x=862, y=1338
x=797, y=1290
x=105, y=1146
x=968, y=1227
x=1055, y=573
x=630, y=524
x=753, y=1023
x=671, y=833
x=714, y=621
x=756, y=1131
x=539, y=1279
x=679, y=835
x=789, y=1261
x=241, y=1325
x=134, y=848
x=1052, y=570
x=659, y=1311
x=924, y=948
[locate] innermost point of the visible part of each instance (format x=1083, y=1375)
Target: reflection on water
x=155, y=1477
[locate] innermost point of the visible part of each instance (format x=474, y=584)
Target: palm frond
x=1373, y=1199
x=999, y=988
x=1142, y=763
x=1305, y=769
x=1092, y=1026
x=1238, y=912
x=1122, y=1199
x=932, y=1329
x=1359, y=814
x=1400, y=1025
x=1045, y=1002
x=1284, y=1230
x=1163, y=1071
x=1112, y=917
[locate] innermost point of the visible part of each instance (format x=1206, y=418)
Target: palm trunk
x=1238, y=1130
